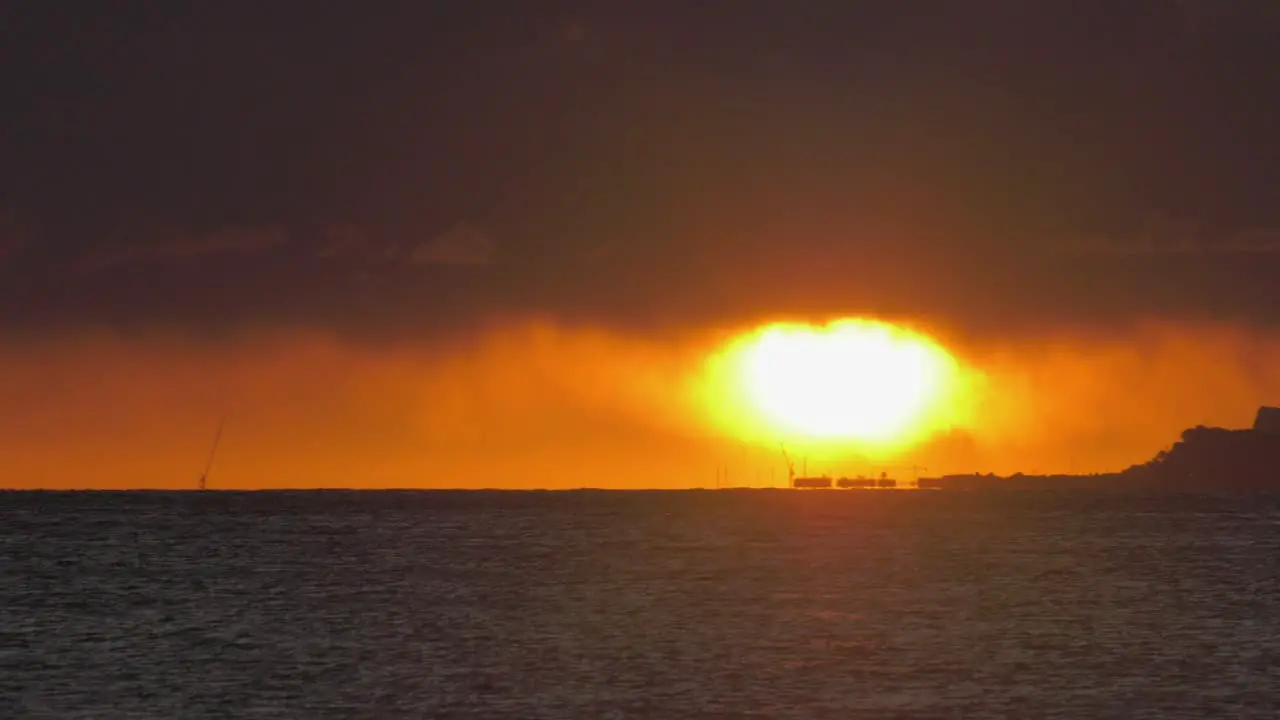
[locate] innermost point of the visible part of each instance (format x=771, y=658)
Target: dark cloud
x=347, y=241
x=244, y=241
x=10, y=247
x=16, y=233
x=1164, y=236
x=988, y=164
x=462, y=244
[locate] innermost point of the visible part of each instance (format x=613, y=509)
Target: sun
x=854, y=380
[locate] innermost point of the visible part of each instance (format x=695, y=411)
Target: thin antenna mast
x=204, y=476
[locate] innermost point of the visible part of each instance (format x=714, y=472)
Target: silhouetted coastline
x=1203, y=459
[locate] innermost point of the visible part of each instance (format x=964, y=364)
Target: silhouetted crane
x=791, y=467
x=204, y=476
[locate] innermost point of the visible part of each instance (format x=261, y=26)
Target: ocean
x=683, y=605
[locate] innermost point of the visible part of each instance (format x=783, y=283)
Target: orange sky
x=539, y=405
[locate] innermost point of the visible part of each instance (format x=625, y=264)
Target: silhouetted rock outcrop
x=1210, y=458
x=1203, y=459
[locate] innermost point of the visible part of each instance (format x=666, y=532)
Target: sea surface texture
x=683, y=605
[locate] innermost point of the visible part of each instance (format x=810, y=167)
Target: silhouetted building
x=1267, y=420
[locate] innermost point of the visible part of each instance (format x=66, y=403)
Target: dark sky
x=409, y=167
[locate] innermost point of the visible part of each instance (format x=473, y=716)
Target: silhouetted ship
x=884, y=482
x=824, y=482
x=1204, y=459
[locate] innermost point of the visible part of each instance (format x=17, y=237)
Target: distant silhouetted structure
x=204, y=476
x=1267, y=420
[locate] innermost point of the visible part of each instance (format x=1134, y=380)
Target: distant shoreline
x=1204, y=459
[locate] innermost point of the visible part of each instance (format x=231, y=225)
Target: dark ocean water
x=667, y=605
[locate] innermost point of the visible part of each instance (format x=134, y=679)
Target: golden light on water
x=856, y=382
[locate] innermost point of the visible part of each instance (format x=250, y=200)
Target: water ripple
x=671, y=605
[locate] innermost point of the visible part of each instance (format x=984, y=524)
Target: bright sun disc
x=853, y=379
